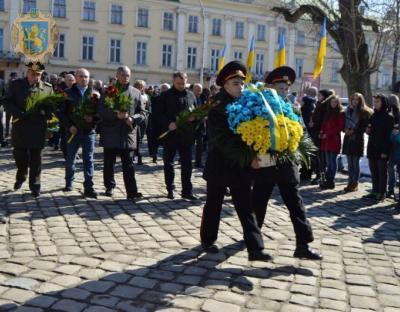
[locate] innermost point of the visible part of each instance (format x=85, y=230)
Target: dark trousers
x=8, y=124
x=241, y=197
x=128, y=171
x=262, y=190
x=152, y=137
x=29, y=158
x=185, y=156
x=199, y=147
x=1, y=127
x=379, y=175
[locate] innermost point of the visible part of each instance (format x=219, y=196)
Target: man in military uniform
x=286, y=176
x=29, y=130
x=223, y=170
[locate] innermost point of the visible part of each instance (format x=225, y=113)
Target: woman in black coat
x=379, y=129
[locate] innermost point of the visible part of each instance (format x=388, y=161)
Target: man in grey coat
x=118, y=136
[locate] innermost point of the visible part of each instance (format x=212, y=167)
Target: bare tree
x=349, y=25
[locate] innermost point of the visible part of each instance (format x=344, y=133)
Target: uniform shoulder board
x=47, y=84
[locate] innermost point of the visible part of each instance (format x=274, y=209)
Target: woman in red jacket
x=331, y=141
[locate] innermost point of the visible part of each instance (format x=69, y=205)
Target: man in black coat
x=170, y=105
x=80, y=133
x=286, y=176
x=118, y=136
x=29, y=130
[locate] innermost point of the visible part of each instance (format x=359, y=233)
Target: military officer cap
x=231, y=70
x=37, y=67
x=281, y=74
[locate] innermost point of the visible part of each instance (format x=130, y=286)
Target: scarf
x=352, y=118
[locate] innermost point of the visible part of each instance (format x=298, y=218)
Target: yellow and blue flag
x=250, y=60
x=281, y=54
x=319, y=64
x=221, y=60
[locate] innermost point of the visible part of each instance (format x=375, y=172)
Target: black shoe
x=210, y=248
x=198, y=165
x=259, y=255
x=134, y=196
x=316, y=181
x=390, y=194
x=4, y=144
x=171, y=195
x=67, y=189
x=35, y=193
x=17, y=185
x=109, y=192
x=90, y=194
x=154, y=159
x=189, y=196
x=305, y=252
x=139, y=161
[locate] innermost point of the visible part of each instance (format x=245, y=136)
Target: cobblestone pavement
x=66, y=253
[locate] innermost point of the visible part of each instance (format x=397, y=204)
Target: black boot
x=210, y=248
x=303, y=251
x=259, y=255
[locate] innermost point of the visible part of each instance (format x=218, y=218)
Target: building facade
x=158, y=37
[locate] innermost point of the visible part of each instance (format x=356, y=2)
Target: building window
x=166, y=59
x=59, y=8
x=301, y=38
x=1, y=5
x=216, y=26
x=299, y=67
x=386, y=79
x=143, y=18
x=1, y=39
x=59, y=51
x=141, y=53
x=238, y=55
x=214, y=60
x=334, y=71
x=261, y=33
x=191, y=57
x=29, y=5
x=239, y=32
x=115, y=51
x=87, y=48
x=193, y=24
x=116, y=14
x=259, y=64
x=89, y=11
x=281, y=30
x=168, y=23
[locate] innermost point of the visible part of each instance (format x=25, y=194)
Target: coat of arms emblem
x=34, y=35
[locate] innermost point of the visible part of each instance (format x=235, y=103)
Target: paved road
x=65, y=253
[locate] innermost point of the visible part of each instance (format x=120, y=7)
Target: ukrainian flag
x=221, y=60
x=281, y=55
x=319, y=64
x=250, y=60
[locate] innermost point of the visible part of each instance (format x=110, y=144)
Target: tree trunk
x=396, y=48
x=357, y=82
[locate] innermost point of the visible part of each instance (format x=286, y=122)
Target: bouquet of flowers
x=116, y=100
x=43, y=103
x=87, y=108
x=188, y=121
x=267, y=125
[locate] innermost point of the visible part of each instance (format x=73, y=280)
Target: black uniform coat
x=220, y=168
x=114, y=132
x=28, y=131
x=169, y=105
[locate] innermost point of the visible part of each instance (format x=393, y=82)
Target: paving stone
x=275, y=294
x=390, y=300
x=22, y=282
x=18, y=295
x=364, y=302
x=66, y=280
x=13, y=269
x=126, y=291
x=98, y=309
x=143, y=282
x=105, y=300
x=214, y=306
x=76, y=293
x=68, y=306
x=42, y=301
x=229, y=297
x=334, y=294
x=304, y=300
x=361, y=291
x=97, y=286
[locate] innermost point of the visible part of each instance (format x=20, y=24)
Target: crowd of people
x=153, y=112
